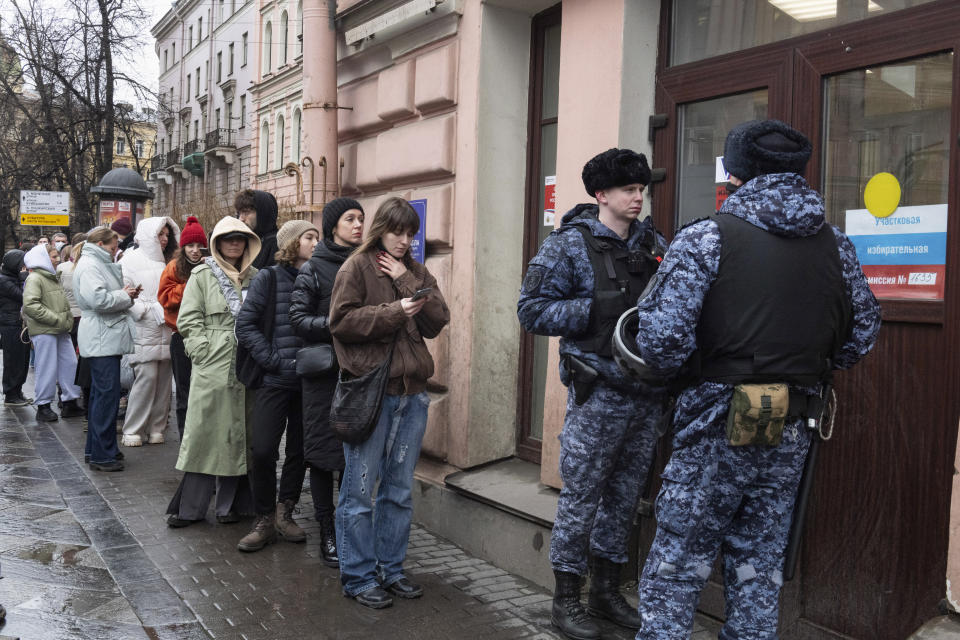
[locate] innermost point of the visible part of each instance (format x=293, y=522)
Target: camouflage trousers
x=606, y=448
x=718, y=497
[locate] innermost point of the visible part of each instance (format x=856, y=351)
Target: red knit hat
x=192, y=232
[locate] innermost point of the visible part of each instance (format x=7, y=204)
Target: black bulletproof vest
x=778, y=311
x=619, y=277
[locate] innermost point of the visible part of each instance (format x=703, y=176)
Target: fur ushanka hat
x=760, y=147
x=615, y=168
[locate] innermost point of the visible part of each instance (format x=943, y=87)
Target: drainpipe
x=319, y=124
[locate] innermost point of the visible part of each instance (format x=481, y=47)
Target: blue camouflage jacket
x=557, y=293
x=782, y=203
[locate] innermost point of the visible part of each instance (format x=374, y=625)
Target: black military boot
x=328, y=542
x=71, y=409
x=568, y=614
x=605, y=598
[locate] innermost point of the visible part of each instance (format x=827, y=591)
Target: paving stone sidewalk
x=65, y=527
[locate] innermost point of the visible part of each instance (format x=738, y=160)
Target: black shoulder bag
x=316, y=360
x=249, y=371
x=357, y=402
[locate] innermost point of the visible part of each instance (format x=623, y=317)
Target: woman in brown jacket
x=372, y=312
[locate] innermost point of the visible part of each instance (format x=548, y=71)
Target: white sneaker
x=131, y=441
x=156, y=438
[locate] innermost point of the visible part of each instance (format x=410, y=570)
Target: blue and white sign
x=910, y=235
x=418, y=248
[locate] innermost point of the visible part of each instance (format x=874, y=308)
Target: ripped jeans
x=372, y=542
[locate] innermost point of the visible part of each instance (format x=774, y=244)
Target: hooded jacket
x=142, y=267
x=11, y=288
x=217, y=431
x=46, y=309
x=106, y=329
x=266, y=229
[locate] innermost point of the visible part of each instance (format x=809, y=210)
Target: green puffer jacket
x=46, y=309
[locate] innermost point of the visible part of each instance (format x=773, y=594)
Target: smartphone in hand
x=421, y=293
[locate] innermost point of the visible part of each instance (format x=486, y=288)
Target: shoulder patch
x=533, y=280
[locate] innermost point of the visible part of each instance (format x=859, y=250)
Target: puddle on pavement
x=50, y=553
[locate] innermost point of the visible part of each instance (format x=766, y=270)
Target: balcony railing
x=191, y=147
x=173, y=157
x=220, y=138
x=156, y=163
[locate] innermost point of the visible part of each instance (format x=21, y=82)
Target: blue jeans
x=104, y=404
x=372, y=545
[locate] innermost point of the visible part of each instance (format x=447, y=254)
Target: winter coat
x=309, y=315
x=46, y=309
x=266, y=229
x=11, y=288
x=366, y=318
x=170, y=294
x=558, y=291
x=278, y=354
x=65, y=276
x=142, y=267
x=106, y=329
x=217, y=435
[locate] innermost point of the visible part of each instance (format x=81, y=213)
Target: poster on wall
x=418, y=248
x=549, y=201
x=904, y=254
x=113, y=210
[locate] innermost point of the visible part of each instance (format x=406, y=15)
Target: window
x=230, y=60
x=121, y=147
x=216, y=118
x=228, y=114
x=173, y=52
x=295, y=137
x=264, y=146
x=199, y=30
x=138, y=149
x=279, y=142
x=219, y=66
x=189, y=38
x=267, y=47
x=196, y=129
x=189, y=83
x=197, y=91
x=284, y=38
x=166, y=60
x=300, y=28
x=222, y=14
x=243, y=52
x=243, y=111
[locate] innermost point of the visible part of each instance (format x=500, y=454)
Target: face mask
x=59, y=244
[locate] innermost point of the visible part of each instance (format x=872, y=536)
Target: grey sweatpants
x=55, y=362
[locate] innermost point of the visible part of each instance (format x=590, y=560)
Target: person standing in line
x=258, y=210
x=148, y=403
x=278, y=407
x=16, y=354
x=587, y=273
x=46, y=312
x=310, y=317
x=173, y=280
x=124, y=229
x=65, y=276
x=373, y=314
x=773, y=299
x=215, y=451
x=105, y=334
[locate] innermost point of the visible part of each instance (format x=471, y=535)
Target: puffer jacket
x=11, y=288
x=143, y=267
x=106, y=329
x=366, y=318
x=310, y=302
x=277, y=355
x=65, y=276
x=46, y=309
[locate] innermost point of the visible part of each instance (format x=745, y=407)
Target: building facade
x=205, y=52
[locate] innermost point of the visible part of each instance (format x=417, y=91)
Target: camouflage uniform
x=715, y=495
x=607, y=442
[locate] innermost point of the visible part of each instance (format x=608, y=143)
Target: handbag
x=316, y=360
x=357, y=402
x=249, y=371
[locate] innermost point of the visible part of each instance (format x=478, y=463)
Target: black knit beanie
x=615, y=168
x=760, y=147
x=332, y=212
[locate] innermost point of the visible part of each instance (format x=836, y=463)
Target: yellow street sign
x=44, y=219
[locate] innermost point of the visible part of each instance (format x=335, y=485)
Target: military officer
x=772, y=299
x=588, y=271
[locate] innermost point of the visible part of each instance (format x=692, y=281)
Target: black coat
x=266, y=229
x=11, y=288
x=278, y=355
x=309, y=310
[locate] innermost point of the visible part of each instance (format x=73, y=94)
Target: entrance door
x=880, y=95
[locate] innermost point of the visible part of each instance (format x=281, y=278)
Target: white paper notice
x=721, y=173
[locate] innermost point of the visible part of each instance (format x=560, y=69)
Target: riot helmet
x=625, y=348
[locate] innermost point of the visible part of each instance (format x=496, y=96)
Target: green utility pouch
x=757, y=414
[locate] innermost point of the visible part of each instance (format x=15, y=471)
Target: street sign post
x=45, y=208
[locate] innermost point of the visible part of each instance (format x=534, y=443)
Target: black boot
x=328, y=542
x=46, y=414
x=568, y=614
x=605, y=598
x=71, y=410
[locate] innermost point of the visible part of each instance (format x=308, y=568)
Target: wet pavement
x=88, y=555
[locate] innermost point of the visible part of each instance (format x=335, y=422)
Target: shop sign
x=45, y=208
x=549, y=200
x=903, y=254
x=418, y=248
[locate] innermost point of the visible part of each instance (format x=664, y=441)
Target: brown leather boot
x=262, y=534
x=286, y=527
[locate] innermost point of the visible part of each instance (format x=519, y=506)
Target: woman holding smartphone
x=372, y=314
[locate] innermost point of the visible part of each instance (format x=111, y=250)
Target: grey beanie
x=292, y=230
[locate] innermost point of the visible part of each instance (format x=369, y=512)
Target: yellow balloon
x=882, y=195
